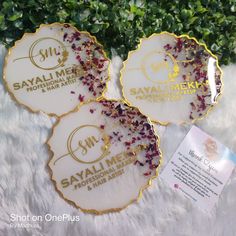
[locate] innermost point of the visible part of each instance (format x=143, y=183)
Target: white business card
x=200, y=168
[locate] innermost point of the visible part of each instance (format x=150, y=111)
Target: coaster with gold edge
x=55, y=68
x=171, y=79
x=103, y=155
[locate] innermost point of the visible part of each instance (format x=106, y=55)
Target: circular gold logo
x=160, y=67
x=88, y=144
x=48, y=53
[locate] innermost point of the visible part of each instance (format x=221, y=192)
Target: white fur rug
x=26, y=189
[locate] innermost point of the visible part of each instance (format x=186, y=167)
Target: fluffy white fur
x=25, y=186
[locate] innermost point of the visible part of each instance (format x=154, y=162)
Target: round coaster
x=55, y=68
x=171, y=78
x=103, y=155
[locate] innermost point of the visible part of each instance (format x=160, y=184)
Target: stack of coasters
x=104, y=153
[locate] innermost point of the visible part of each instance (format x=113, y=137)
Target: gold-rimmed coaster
x=171, y=79
x=103, y=155
x=55, y=69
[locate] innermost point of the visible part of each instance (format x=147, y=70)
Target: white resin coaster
x=171, y=79
x=103, y=155
x=55, y=68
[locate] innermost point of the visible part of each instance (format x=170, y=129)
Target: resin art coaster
x=55, y=68
x=103, y=155
x=171, y=79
